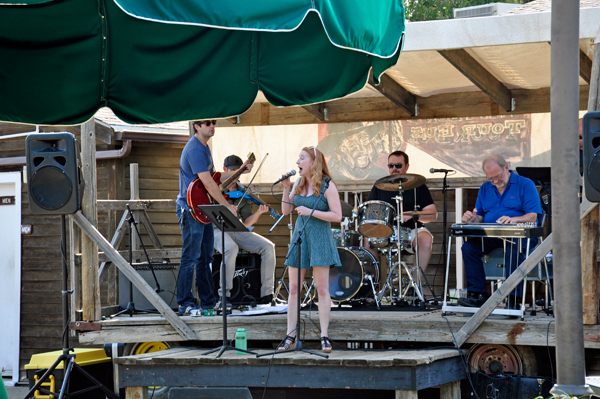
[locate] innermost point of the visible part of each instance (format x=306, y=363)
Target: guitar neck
x=231, y=178
x=237, y=173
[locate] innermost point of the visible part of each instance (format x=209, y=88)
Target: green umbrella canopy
x=157, y=61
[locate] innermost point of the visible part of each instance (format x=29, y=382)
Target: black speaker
x=53, y=174
x=246, y=279
x=591, y=155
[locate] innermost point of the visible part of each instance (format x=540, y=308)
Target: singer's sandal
x=326, y=345
x=287, y=343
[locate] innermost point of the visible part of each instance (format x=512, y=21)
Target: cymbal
x=417, y=213
x=346, y=209
x=408, y=181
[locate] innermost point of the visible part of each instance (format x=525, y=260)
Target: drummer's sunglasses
x=397, y=165
x=208, y=123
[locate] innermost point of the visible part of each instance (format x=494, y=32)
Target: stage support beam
x=564, y=111
x=90, y=286
x=132, y=275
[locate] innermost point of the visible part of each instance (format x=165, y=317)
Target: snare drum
x=376, y=219
x=350, y=238
x=348, y=281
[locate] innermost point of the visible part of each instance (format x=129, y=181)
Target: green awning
x=156, y=61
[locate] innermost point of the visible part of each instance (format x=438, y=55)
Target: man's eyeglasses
x=208, y=123
x=497, y=177
x=396, y=165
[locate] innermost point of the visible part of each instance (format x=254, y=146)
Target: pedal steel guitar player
x=506, y=198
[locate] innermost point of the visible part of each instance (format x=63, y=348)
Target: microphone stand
x=298, y=243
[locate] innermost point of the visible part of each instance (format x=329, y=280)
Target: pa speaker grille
x=51, y=188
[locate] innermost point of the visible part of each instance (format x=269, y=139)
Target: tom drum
x=376, y=219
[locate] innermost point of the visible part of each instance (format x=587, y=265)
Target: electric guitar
x=197, y=194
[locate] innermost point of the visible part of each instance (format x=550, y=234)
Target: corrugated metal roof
x=546, y=5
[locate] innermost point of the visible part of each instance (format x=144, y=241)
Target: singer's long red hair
x=317, y=171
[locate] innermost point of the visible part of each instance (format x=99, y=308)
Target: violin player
x=248, y=241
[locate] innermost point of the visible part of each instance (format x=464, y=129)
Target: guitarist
x=196, y=162
x=250, y=242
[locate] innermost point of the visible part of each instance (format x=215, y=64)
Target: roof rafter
x=585, y=67
x=318, y=110
x=396, y=94
x=446, y=105
x=480, y=76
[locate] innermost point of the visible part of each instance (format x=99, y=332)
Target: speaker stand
x=68, y=359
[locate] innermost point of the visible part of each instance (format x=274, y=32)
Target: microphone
x=292, y=173
x=440, y=170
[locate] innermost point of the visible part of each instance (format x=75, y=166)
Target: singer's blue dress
x=318, y=247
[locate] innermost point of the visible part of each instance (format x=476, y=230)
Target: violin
x=238, y=194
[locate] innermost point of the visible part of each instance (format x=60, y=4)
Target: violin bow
x=251, y=180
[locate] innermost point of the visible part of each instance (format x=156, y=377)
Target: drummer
x=398, y=165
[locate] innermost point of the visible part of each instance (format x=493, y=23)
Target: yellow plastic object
x=49, y=385
x=148, y=347
x=83, y=357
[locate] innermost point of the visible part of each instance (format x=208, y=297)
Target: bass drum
x=349, y=281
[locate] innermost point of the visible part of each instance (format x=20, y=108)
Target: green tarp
x=155, y=61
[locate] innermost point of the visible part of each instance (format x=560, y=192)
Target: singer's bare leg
x=292, y=314
x=321, y=276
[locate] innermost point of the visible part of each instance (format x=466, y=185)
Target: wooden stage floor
x=348, y=328
x=404, y=371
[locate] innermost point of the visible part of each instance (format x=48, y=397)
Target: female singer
x=318, y=249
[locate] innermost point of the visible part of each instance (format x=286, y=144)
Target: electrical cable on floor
x=271, y=363
x=463, y=357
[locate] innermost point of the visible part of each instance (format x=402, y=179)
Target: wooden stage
x=347, y=328
x=403, y=372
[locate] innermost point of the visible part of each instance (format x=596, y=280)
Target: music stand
x=222, y=217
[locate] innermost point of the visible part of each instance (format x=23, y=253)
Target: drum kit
x=357, y=281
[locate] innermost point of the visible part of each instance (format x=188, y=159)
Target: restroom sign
x=8, y=200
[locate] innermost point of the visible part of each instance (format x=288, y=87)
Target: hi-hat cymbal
x=417, y=213
x=346, y=209
x=393, y=182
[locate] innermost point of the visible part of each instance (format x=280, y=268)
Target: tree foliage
x=427, y=10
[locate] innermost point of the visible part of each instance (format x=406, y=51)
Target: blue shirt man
x=198, y=238
x=505, y=198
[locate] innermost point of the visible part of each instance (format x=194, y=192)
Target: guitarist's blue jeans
x=198, y=243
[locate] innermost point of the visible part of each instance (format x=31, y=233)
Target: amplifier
x=167, y=279
x=246, y=279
